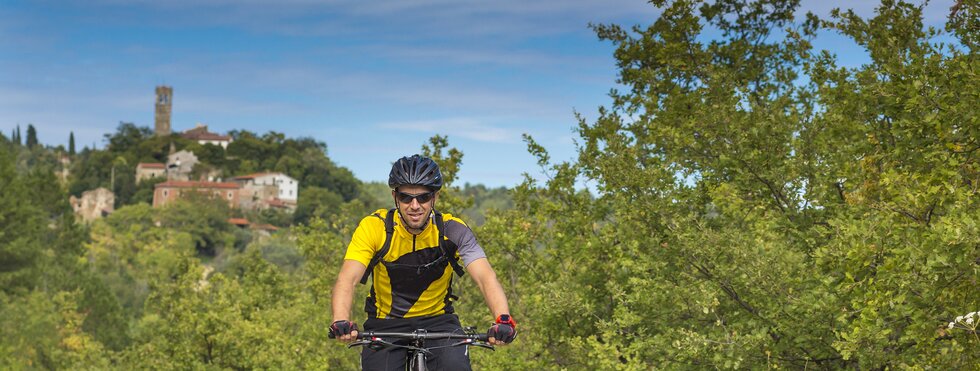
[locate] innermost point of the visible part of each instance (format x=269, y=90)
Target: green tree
x=31, y=136
x=211, y=155
x=144, y=191
x=45, y=332
x=21, y=228
x=252, y=318
x=204, y=217
x=484, y=200
x=47, y=294
x=450, y=197
x=71, y=143
x=126, y=253
x=904, y=257
x=317, y=202
x=127, y=137
x=745, y=219
x=92, y=170
x=123, y=180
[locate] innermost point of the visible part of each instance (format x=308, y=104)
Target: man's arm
x=493, y=293
x=343, y=292
x=486, y=279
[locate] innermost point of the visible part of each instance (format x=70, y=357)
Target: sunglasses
x=407, y=198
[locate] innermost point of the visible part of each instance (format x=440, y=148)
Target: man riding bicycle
x=412, y=252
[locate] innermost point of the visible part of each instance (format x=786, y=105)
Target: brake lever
x=359, y=343
x=480, y=344
x=484, y=345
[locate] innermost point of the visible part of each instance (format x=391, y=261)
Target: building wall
x=254, y=197
x=93, y=204
x=180, y=164
x=164, y=195
x=288, y=187
x=222, y=143
x=143, y=173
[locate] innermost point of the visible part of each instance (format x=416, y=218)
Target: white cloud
x=463, y=127
x=432, y=18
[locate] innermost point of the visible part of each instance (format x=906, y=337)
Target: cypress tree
x=71, y=143
x=31, y=136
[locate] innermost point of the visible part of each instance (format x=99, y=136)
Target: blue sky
x=372, y=79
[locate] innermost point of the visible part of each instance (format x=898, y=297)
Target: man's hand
x=503, y=331
x=344, y=330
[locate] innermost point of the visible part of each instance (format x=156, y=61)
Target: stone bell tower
x=164, y=105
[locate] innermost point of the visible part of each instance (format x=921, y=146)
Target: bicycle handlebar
x=417, y=335
x=421, y=335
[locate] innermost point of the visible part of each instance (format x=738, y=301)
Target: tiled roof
x=238, y=221
x=207, y=185
x=201, y=133
x=151, y=165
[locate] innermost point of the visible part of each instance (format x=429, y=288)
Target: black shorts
x=392, y=358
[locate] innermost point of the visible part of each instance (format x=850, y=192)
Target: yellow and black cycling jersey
x=405, y=283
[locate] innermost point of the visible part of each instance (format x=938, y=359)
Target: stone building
x=94, y=204
x=287, y=188
x=268, y=190
x=201, y=134
x=180, y=164
x=166, y=192
x=164, y=108
x=149, y=170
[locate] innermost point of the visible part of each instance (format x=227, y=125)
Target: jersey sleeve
x=367, y=240
x=469, y=250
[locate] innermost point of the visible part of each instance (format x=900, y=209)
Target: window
x=229, y=195
x=165, y=193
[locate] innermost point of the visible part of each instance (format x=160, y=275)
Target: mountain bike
x=417, y=351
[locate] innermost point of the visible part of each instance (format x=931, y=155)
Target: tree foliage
x=745, y=219
x=31, y=137
x=449, y=164
x=752, y=204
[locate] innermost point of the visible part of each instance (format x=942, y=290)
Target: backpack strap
x=389, y=230
x=451, y=255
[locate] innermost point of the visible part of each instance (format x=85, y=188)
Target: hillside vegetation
x=752, y=205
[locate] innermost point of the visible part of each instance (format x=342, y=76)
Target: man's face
x=415, y=213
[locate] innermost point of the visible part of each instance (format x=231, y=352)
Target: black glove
x=505, y=329
x=341, y=328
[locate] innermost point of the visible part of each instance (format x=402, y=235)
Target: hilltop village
x=175, y=177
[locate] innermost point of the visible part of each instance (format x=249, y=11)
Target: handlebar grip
x=360, y=335
x=483, y=337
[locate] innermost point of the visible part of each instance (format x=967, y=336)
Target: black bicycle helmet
x=415, y=170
